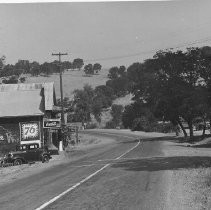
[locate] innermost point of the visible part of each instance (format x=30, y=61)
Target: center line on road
x=128, y=151
x=82, y=181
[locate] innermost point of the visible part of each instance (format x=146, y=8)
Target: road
x=121, y=175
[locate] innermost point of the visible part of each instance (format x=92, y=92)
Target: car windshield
x=27, y=147
x=22, y=147
x=33, y=146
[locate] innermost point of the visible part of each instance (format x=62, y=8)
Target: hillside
x=76, y=80
x=72, y=80
x=124, y=101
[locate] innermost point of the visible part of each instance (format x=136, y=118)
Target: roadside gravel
x=189, y=181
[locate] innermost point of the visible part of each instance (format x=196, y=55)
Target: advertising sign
x=29, y=131
x=52, y=123
x=3, y=134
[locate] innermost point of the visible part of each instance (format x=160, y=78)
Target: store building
x=23, y=110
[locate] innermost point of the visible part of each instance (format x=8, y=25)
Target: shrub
x=22, y=79
x=91, y=126
x=110, y=124
x=164, y=127
x=142, y=124
x=12, y=80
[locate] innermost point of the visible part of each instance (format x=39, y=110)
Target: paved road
x=121, y=175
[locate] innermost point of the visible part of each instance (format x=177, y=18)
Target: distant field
x=72, y=80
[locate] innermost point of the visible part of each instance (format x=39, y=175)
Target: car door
x=23, y=154
x=32, y=153
x=37, y=153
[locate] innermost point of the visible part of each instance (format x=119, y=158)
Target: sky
x=110, y=33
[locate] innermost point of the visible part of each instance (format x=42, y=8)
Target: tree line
x=173, y=86
x=14, y=72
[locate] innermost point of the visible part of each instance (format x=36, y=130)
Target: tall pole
x=61, y=86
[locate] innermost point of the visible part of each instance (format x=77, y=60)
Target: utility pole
x=61, y=86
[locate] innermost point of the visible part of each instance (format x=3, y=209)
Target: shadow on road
x=164, y=163
x=129, y=142
x=208, y=145
x=169, y=138
x=146, y=139
x=177, y=139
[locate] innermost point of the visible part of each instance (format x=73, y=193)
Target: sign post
x=50, y=125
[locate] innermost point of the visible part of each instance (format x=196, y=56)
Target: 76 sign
x=30, y=131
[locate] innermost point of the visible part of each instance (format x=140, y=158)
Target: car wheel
x=45, y=159
x=18, y=162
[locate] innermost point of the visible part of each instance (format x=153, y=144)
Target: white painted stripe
x=116, y=159
x=121, y=155
x=105, y=160
x=70, y=189
x=128, y=151
x=82, y=181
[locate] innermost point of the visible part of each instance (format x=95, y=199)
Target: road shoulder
x=188, y=178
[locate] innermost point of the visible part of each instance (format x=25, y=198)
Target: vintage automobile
x=26, y=153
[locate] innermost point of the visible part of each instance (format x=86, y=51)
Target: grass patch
x=72, y=80
x=86, y=140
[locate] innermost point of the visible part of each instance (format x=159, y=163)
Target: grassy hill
x=72, y=80
x=76, y=80
x=124, y=101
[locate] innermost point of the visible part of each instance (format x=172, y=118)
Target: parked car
x=26, y=153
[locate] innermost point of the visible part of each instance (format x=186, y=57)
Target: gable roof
x=50, y=96
x=26, y=99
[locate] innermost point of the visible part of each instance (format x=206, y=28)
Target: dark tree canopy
x=172, y=84
x=88, y=69
x=77, y=63
x=97, y=67
x=113, y=73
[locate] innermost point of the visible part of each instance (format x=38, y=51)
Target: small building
x=23, y=110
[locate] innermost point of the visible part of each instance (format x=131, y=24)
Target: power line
x=185, y=44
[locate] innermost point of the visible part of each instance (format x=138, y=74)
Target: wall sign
x=4, y=134
x=52, y=123
x=29, y=131
x=2, y=138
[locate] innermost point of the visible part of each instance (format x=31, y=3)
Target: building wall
x=10, y=130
